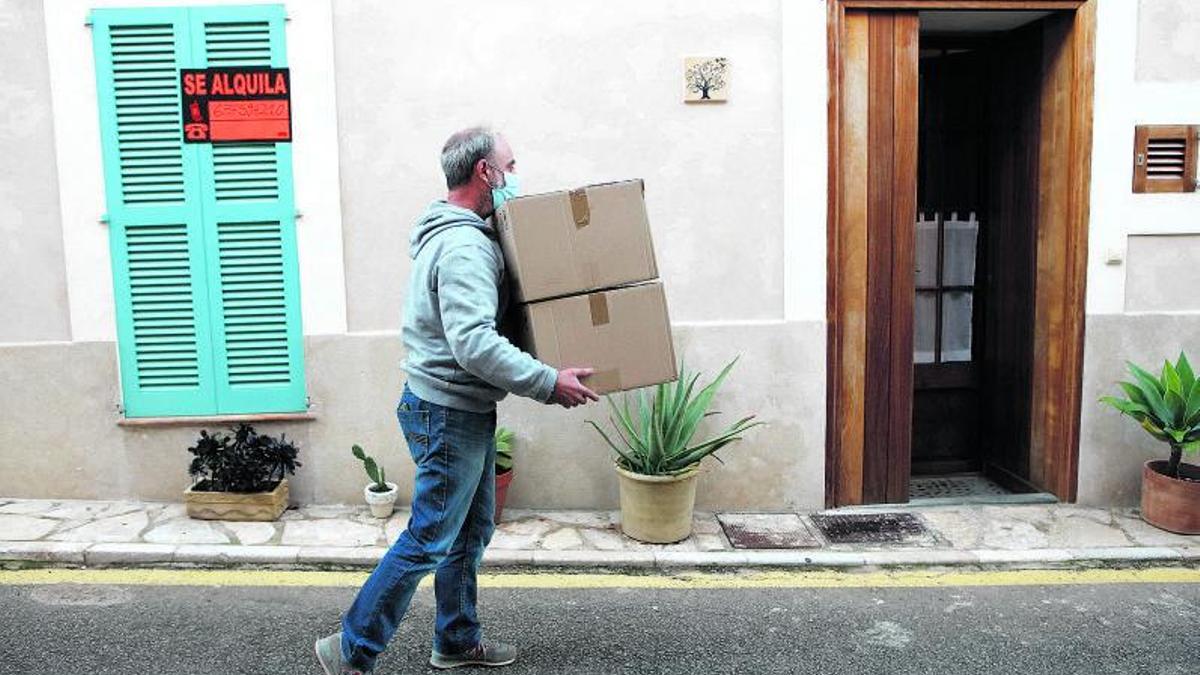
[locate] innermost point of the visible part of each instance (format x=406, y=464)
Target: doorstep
x=131, y=533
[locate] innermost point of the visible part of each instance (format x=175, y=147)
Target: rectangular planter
x=237, y=505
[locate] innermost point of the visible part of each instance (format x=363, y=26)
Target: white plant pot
x=382, y=503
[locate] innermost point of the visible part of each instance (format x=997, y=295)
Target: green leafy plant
x=504, y=448
x=654, y=433
x=1167, y=407
x=244, y=462
x=375, y=471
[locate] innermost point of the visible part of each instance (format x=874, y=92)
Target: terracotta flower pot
x=657, y=509
x=1172, y=504
x=502, y=481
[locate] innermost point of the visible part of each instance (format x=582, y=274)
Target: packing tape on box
x=579, y=207
x=607, y=380
x=598, y=303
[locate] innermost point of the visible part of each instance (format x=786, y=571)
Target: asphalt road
x=574, y=626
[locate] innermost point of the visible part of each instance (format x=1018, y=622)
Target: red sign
x=236, y=105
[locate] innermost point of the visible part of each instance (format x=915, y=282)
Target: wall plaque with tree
x=705, y=79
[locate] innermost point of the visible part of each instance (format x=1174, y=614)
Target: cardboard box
x=576, y=241
x=624, y=333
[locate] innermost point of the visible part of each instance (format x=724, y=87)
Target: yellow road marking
x=688, y=581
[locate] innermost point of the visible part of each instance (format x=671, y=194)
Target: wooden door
x=1064, y=165
x=872, y=184
x=1042, y=103
x=1013, y=132
x=871, y=257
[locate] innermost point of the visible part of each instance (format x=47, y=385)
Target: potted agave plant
x=504, y=467
x=1168, y=408
x=379, y=493
x=657, y=460
x=240, y=477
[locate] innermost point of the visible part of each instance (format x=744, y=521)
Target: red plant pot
x=1172, y=504
x=502, y=481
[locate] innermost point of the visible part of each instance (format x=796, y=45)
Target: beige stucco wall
x=1168, y=40
x=33, y=287
x=61, y=439
x=1141, y=298
x=586, y=94
x=593, y=93
x=1163, y=273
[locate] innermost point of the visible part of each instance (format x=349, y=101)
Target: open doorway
x=975, y=245
x=960, y=145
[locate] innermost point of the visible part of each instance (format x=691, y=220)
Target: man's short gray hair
x=463, y=150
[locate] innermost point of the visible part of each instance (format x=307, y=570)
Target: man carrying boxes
x=585, y=272
x=458, y=367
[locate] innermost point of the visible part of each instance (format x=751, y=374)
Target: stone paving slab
x=96, y=532
x=25, y=527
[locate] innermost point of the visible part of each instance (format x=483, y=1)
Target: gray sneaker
x=329, y=653
x=485, y=653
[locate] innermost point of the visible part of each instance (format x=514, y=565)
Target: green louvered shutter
x=249, y=221
x=154, y=214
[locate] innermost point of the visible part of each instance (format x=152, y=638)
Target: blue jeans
x=453, y=502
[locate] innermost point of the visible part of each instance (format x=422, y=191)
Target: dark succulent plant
x=244, y=462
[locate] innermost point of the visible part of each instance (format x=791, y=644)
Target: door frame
x=1062, y=237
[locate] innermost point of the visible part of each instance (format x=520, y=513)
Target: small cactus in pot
x=379, y=493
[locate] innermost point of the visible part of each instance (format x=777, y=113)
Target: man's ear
x=481, y=170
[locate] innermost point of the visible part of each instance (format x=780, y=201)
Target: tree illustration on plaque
x=706, y=79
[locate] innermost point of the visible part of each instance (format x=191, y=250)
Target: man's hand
x=569, y=391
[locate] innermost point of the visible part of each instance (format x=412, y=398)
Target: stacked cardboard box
x=583, y=268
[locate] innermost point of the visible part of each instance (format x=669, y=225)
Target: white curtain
x=960, y=238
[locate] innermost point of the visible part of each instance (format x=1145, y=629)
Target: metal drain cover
x=766, y=530
x=870, y=528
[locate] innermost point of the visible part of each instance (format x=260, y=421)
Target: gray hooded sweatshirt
x=457, y=293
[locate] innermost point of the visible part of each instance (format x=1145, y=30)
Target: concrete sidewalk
x=111, y=533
